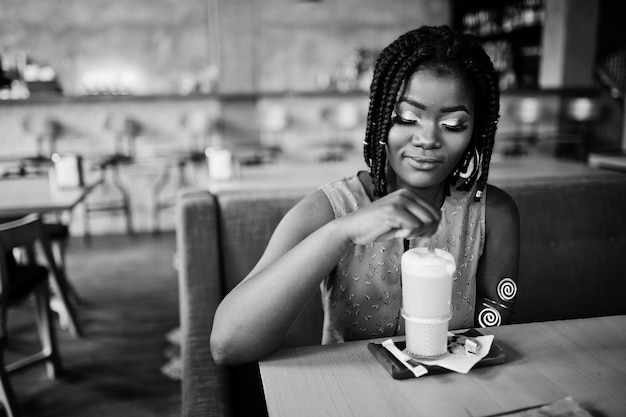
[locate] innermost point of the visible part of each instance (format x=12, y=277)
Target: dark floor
x=129, y=294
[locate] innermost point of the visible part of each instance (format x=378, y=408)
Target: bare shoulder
x=501, y=208
x=308, y=215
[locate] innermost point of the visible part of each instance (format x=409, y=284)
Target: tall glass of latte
x=426, y=300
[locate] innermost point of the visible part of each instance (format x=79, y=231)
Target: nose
x=426, y=136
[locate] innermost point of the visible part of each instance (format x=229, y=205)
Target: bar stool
x=117, y=199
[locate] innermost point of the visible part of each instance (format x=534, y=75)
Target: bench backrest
x=573, y=247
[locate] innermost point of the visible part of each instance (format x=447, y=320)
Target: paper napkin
x=462, y=362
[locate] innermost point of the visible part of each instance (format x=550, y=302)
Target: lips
x=423, y=162
x=424, y=159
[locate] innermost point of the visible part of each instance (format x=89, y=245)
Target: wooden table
x=22, y=196
x=545, y=362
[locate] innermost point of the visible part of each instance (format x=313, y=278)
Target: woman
x=432, y=118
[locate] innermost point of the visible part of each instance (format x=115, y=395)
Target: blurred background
x=154, y=83
x=109, y=108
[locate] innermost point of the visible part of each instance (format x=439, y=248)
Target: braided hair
x=438, y=47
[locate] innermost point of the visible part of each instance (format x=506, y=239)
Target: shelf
x=511, y=32
x=522, y=33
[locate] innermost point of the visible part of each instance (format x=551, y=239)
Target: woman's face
x=432, y=126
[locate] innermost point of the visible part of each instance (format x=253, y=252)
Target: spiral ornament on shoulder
x=489, y=317
x=507, y=289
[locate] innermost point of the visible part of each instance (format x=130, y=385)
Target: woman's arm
x=254, y=317
x=498, y=268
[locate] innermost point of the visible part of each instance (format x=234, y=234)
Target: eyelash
x=402, y=121
x=457, y=128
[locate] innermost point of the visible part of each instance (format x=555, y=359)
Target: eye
x=453, y=125
x=404, y=117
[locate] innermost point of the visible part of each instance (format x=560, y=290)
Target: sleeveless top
x=362, y=296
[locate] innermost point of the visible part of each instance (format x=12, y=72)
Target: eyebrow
x=450, y=109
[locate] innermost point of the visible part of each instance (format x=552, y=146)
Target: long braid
x=494, y=108
x=377, y=118
x=432, y=46
x=404, y=66
x=384, y=117
x=488, y=104
x=371, y=150
x=397, y=63
x=369, y=147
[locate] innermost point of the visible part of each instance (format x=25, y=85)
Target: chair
x=116, y=197
x=58, y=234
x=199, y=127
x=46, y=131
x=175, y=170
x=67, y=173
x=18, y=281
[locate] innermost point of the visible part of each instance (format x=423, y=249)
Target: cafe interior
x=148, y=149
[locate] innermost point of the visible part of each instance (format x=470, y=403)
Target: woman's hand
x=401, y=214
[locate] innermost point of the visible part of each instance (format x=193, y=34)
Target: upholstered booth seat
x=573, y=265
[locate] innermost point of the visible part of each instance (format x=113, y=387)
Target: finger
x=424, y=221
x=423, y=212
x=401, y=217
x=423, y=232
x=423, y=217
x=428, y=224
x=405, y=223
x=402, y=234
x=414, y=200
